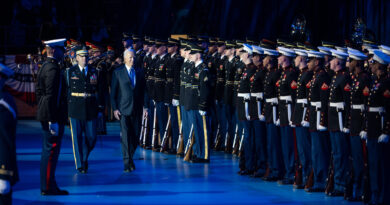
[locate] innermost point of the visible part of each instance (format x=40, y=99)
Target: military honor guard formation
x=313, y=117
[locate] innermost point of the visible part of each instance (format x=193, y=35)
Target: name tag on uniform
x=74, y=76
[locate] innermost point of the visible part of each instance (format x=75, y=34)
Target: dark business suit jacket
x=124, y=97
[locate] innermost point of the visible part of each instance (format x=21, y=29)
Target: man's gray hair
x=128, y=50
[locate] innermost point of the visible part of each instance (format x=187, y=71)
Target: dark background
x=24, y=23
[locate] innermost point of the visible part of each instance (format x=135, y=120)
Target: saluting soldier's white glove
x=383, y=138
x=5, y=186
x=363, y=135
x=321, y=128
x=201, y=112
x=175, y=102
x=53, y=127
x=345, y=130
x=305, y=123
x=262, y=118
x=277, y=123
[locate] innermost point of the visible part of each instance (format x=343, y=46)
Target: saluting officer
x=8, y=119
x=85, y=103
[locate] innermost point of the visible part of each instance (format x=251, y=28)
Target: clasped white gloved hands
x=321, y=128
x=277, y=123
x=345, y=130
x=175, y=102
x=262, y=118
x=305, y=123
x=201, y=112
x=53, y=127
x=383, y=138
x=5, y=186
x=363, y=135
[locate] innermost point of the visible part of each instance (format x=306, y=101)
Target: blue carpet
x=158, y=179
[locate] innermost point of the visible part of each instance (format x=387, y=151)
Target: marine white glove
x=305, y=123
x=291, y=124
x=5, y=186
x=345, y=130
x=262, y=118
x=321, y=128
x=383, y=138
x=166, y=104
x=53, y=127
x=201, y=112
x=175, y=102
x=363, y=135
x=277, y=123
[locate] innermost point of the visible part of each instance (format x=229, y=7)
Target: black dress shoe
x=314, y=189
x=286, y=181
x=127, y=170
x=336, y=193
x=258, y=174
x=82, y=170
x=196, y=160
x=132, y=166
x=54, y=192
x=245, y=172
x=270, y=178
x=298, y=186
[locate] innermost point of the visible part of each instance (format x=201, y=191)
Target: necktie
x=83, y=71
x=132, y=77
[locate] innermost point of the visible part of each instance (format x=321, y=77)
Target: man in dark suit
x=127, y=96
x=51, y=113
